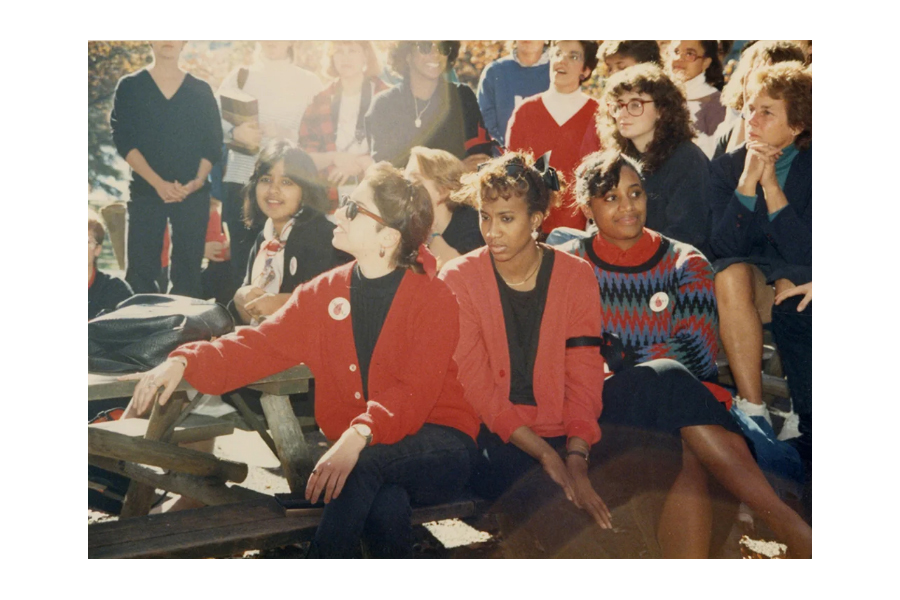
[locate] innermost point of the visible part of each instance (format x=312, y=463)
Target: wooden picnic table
x=197, y=474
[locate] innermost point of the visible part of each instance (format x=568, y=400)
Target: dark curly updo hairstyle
x=400, y=51
x=674, y=125
x=792, y=83
x=715, y=75
x=406, y=206
x=298, y=167
x=508, y=176
x=599, y=172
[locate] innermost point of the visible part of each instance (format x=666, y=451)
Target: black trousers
x=145, y=227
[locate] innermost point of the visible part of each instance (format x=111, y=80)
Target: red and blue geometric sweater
x=658, y=298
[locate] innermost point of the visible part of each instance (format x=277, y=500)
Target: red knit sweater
x=533, y=129
x=412, y=375
x=568, y=382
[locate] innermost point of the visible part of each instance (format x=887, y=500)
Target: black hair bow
x=548, y=173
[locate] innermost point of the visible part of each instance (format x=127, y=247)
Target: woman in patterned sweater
x=659, y=316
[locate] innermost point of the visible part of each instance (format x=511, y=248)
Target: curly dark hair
x=791, y=82
x=752, y=55
x=400, y=51
x=642, y=51
x=674, y=125
x=715, y=75
x=512, y=174
x=599, y=172
x=298, y=167
x=406, y=206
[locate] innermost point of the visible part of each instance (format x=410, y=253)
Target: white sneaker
x=791, y=427
x=753, y=410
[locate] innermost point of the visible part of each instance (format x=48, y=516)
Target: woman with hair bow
x=529, y=342
x=379, y=335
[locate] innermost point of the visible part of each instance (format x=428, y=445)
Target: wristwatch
x=365, y=431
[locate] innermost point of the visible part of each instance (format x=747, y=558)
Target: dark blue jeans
x=429, y=467
x=146, y=225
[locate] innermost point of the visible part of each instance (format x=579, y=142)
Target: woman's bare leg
x=741, y=329
x=685, y=525
x=727, y=458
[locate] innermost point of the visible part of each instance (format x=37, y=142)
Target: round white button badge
x=339, y=309
x=293, y=266
x=659, y=301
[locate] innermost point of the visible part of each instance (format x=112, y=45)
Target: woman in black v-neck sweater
x=171, y=142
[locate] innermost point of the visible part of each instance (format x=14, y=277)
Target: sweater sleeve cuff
x=589, y=431
x=506, y=423
x=748, y=201
x=775, y=214
x=366, y=419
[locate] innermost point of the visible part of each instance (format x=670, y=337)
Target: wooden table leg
x=291, y=446
x=139, y=497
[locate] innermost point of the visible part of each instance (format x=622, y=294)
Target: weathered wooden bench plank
x=183, y=434
x=225, y=530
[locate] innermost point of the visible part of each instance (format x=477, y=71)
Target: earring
x=381, y=252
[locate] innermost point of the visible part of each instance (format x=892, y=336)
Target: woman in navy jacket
x=762, y=218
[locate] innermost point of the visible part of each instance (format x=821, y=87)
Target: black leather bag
x=141, y=332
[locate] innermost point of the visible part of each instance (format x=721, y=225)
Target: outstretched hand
x=555, y=467
x=586, y=498
x=163, y=378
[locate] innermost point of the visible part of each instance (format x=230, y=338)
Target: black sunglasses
x=443, y=48
x=354, y=209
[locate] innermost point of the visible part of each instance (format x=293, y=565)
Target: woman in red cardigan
x=529, y=338
x=386, y=383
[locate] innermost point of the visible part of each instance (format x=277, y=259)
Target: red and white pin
x=339, y=309
x=659, y=301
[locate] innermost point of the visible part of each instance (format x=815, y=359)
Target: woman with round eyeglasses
x=379, y=335
x=696, y=63
x=425, y=109
x=333, y=129
x=558, y=120
x=529, y=351
x=762, y=231
x=647, y=119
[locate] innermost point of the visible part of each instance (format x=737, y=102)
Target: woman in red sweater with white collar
x=529, y=338
x=386, y=383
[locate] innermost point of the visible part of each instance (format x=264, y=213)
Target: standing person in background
x=507, y=81
x=557, y=121
x=456, y=226
x=425, y=109
x=333, y=129
x=282, y=91
x=647, y=119
x=696, y=63
x=621, y=54
x=166, y=126
x=104, y=291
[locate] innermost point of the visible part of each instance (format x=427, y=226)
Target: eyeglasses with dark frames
x=443, y=48
x=354, y=209
x=635, y=106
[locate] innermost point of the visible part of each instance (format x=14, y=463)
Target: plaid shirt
x=318, y=129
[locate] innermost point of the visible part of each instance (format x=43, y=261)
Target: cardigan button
x=352, y=368
x=502, y=373
x=357, y=395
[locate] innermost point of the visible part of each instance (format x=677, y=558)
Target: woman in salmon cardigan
x=379, y=335
x=528, y=351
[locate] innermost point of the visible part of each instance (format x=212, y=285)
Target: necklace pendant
x=418, y=123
